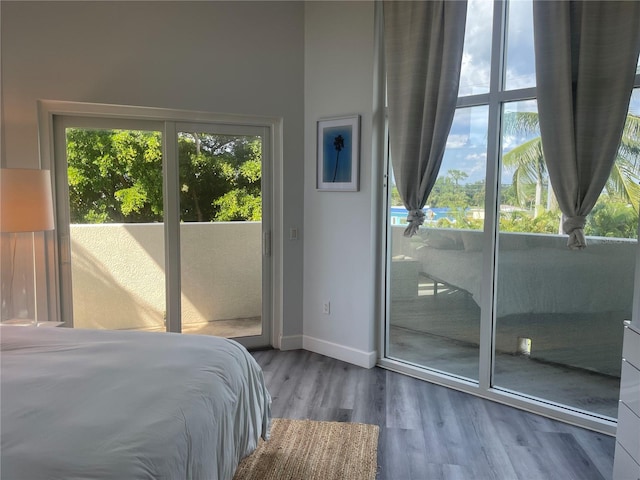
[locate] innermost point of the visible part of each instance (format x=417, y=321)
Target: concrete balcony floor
x=234, y=328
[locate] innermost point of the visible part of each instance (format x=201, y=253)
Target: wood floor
x=574, y=359
x=432, y=432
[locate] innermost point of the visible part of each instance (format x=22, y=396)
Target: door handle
x=266, y=244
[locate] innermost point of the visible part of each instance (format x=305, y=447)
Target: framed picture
x=339, y=154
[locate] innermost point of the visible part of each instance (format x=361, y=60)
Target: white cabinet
x=627, y=460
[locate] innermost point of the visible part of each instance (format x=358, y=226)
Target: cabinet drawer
x=631, y=347
x=630, y=387
x=628, y=431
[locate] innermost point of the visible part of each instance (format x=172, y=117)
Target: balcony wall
x=118, y=273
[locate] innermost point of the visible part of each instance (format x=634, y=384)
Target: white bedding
x=86, y=404
x=541, y=280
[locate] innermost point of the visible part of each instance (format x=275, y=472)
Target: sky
x=467, y=141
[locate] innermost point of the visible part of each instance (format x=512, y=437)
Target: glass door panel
x=560, y=312
x=434, y=318
x=221, y=231
x=114, y=257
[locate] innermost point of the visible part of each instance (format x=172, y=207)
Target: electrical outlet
x=326, y=308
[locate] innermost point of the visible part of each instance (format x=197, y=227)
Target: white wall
x=224, y=57
x=298, y=60
x=220, y=265
x=339, y=248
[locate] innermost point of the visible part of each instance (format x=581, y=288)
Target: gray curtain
x=586, y=55
x=423, y=53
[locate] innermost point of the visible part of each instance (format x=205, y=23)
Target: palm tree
x=338, y=144
x=526, y=161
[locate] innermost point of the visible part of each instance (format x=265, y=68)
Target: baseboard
x=340, y=352
x=292, y=342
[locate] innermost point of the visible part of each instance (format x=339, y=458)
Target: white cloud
x=457, y=141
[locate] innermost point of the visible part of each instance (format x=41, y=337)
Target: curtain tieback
x=574, y=227
x=414, y=219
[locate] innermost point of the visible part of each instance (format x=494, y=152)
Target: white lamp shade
x=26, y=203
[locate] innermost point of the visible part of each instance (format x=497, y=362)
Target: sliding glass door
x=487, y=297
x=221, y=229
x=560, y=312
x=165, y=226
x=436, y=276
x=109, y=190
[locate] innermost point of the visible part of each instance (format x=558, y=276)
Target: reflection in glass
x=559, y=312
x=435, y=276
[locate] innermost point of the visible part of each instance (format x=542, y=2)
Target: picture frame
x=338, y=154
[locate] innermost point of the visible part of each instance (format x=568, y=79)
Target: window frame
x=495, y=99
x=51, y=113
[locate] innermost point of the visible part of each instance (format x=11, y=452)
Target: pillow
x=442, y=240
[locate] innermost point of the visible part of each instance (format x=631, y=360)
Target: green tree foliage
x=396, y=201
x=115, y=176
x=528, y=166
x=220, y=177
x=612, y=219
x=524, y=221
x=534, y=208
x=619, y=202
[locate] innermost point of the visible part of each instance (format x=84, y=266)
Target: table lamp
x=26, y=205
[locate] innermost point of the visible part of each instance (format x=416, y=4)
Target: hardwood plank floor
x=432, y=432
x=574, y=358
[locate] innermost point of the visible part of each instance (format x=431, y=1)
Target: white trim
x=171, y=196
x=101, y=110
x=379, y=170
x=277, y=243
x=340, y=352
x=48, y=109
x=292, y=342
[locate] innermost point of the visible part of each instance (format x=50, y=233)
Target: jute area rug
x=311, y=450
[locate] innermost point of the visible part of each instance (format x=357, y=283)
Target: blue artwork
x=337, y=147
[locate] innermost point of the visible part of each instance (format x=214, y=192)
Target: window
x=487, y=296
x=163, y=224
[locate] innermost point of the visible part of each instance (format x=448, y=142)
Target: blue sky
x=467, y=142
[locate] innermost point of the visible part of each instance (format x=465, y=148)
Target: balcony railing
x=118, y=274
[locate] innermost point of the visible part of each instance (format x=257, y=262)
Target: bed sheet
x=86, y=404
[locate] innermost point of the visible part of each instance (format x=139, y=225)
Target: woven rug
x=311, y=450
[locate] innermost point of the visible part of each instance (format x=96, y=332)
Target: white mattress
x=86, y=404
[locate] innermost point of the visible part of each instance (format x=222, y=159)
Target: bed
x=127, y=405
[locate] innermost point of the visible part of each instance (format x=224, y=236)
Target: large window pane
x=435, y=276
x=559, y=312
x=221, y=233
x=520, y=60
x=116, y=232
x=476, y=53
x=555, y=324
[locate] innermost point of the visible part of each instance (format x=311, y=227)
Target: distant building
x=398, y=215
